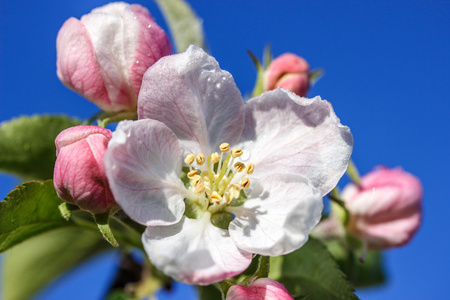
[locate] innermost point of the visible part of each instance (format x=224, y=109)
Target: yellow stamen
x=239, y=166
x=245, y=183
x=234, y=191
x=216, y=198
x=215, y=157
x=250, y=168
x=235, y=152
x=189, y=159
x=191, y=174
x=224, y=147
x=199, y=189
x=200, y=159
x=196, y=180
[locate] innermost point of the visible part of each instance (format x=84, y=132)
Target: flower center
x=219, y=178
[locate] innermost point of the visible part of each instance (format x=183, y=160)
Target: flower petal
x=144, y=43
x=288, y=134
x=195, y=98
x=106, y=34
x=73, y=46
x=261, y=289
x=280, y=212
x=143, y=163
x=194, y=251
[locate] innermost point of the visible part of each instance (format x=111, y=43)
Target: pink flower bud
x=79, y=175
x=288, y=71
x=104, y=55
x=261, y=289
x=386, y=210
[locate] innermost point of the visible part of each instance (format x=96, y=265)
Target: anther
x=191, y=174
x=215, y=157
x=199, y=189
x=196, y=180
x=234, y=191
x=239, y=166
x=200, y=159
x=216, y=198
x=245, y=183
x=250, y=168
x=235, y=152
x=224, y=147
x=189, y=159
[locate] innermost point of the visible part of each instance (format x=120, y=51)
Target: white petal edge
x=194, y=251
x=143, y=165
x=285, y=133
x=280, y=212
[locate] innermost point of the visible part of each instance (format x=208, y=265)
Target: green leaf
x=208, y=292
x=311, y=273
x=370, y=272
x=27, y=211
x=185, y=26
x=27, y=145
x=30, y=266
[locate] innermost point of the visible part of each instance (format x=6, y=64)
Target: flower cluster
x=213, y=180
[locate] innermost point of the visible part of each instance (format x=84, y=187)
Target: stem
x=263, y=267
x=224, y=286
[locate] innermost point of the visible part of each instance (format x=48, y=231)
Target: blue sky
x=387, y=75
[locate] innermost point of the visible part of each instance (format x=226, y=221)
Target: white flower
x=216, y=180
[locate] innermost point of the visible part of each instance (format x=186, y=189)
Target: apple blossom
x=216, y=180
x=104, y=55
x=385, y=210
x=260, y=289
x=288, y=71
x=79, y=175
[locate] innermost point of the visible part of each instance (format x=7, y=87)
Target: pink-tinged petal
x=200, y=102
x=261, y=289
x=288, y=71
x=280, y=212
x=386, y=209
x=76, y=64
x=79, y=175
x=285, y=133
x=143, y=164
x=77, y=133
x=194, y=251
x=144, y=43
x=106, y=34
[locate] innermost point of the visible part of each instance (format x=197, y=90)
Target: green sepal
x=66, y=210
x=102, y=221
x=315, y=75
x=352, y=173
x=27, y=145
x=259, y=84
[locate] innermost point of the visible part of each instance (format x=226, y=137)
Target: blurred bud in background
x=288, y=71
x=386, y=209
x=79, y=175
x=260, y=289
x=104, y=55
